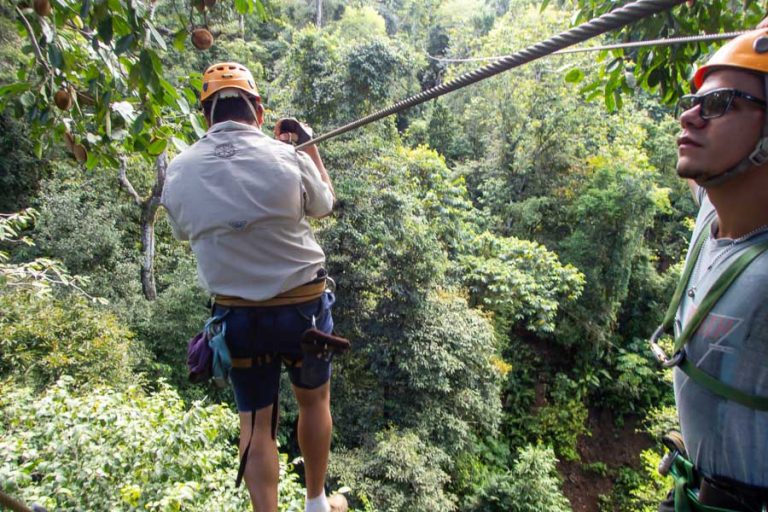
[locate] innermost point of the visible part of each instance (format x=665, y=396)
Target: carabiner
x=659, y=353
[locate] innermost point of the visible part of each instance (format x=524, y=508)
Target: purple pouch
x=199, y=357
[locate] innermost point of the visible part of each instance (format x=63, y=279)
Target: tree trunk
x=148, y=248
x=148, y=208
x=319, y=13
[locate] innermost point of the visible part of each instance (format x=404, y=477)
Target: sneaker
x=338, y=503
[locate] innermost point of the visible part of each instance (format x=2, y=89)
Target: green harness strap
x=686, y=499
x=713, y=295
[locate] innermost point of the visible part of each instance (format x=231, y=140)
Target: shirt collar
x=232, y=126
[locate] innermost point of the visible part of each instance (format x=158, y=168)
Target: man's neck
x=741, y=204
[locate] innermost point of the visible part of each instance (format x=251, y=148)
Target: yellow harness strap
x=304, y=293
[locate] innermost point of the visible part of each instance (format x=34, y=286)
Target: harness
x=687, y=478
x=314, y=343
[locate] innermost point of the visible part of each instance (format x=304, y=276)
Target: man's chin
x=688, y=173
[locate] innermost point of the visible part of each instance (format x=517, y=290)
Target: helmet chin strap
x=228, y=94
x=756, y=158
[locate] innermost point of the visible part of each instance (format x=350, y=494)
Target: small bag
x=207, y=353
x=199, y=356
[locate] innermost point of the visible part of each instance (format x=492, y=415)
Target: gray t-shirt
x=242, y=200
x=724, y=438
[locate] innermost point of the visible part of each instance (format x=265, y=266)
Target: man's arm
x=314, y=154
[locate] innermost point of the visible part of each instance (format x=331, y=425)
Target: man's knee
x=262, y=426
x=316, y=397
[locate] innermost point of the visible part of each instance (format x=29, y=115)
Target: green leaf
x=180, y=39
x=124, y=43
x=14, y=88
x=180, y=144
x=156, y=35
x=47, y=31
x=261, y=10
x=183, y=105
x=120, y=25
x=197, y=121
x=28, y=99
x=138, y=125
x=125, y=109
x=170, y=89
x=92, y=161
x=654, y=77
x=55, y=57
x=244, y=6
x=105, y=30
x=85, y=9
x=574, y=76
x=157, y=146
x=610, y=101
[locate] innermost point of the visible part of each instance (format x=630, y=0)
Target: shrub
x=123, y=450
x=399, y=472
x=531, y=486
x=43, y=338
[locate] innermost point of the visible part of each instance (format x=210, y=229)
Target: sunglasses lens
x=686, y=102
x=715, y=103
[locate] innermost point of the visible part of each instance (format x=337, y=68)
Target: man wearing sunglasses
x=720, y=310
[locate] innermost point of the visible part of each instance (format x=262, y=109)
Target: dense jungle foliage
x=501, y=254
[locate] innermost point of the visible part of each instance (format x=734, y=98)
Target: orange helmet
x=748, y=51
x=226, y=75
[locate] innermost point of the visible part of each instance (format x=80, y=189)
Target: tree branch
x=33, y=40
x=122, y=177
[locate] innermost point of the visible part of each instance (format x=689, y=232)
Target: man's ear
x=259, y=113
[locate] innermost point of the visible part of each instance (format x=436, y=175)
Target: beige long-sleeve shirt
x=242, y=200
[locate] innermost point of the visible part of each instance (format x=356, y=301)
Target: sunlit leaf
x=157, y=146
x=574, y=76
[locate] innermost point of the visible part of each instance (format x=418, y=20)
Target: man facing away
x=721, y=374
x=242, y=200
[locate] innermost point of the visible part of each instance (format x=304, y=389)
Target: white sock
x=317, y=504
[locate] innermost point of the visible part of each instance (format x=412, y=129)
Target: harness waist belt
x=299, y=295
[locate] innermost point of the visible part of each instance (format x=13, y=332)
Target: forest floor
x=612, y=445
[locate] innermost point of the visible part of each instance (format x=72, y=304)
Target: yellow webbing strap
x=304, y=293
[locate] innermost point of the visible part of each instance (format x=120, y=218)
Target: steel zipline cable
x=610, y=21
x=669, y=41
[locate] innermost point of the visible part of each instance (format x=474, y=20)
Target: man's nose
x=692, y=117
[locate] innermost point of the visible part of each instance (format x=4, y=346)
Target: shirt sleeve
x=318, y=198
x=178, y=233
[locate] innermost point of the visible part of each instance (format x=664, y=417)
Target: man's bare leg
x=315, y=425
x=262, y=470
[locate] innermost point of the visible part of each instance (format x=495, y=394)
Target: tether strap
x=273, y=427
x=713, y=295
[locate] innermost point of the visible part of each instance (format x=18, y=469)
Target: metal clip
x=659, y=353
x=666, y=462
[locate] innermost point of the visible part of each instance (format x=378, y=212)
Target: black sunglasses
x=714, y=103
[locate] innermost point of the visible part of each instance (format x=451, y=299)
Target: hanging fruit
x=202, y=38
x=81, y=154
x=63, y=99
x=42, y=7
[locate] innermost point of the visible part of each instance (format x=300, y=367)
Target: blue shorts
x=276, y=332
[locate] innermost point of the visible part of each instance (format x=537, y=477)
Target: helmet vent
x=761, y=44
